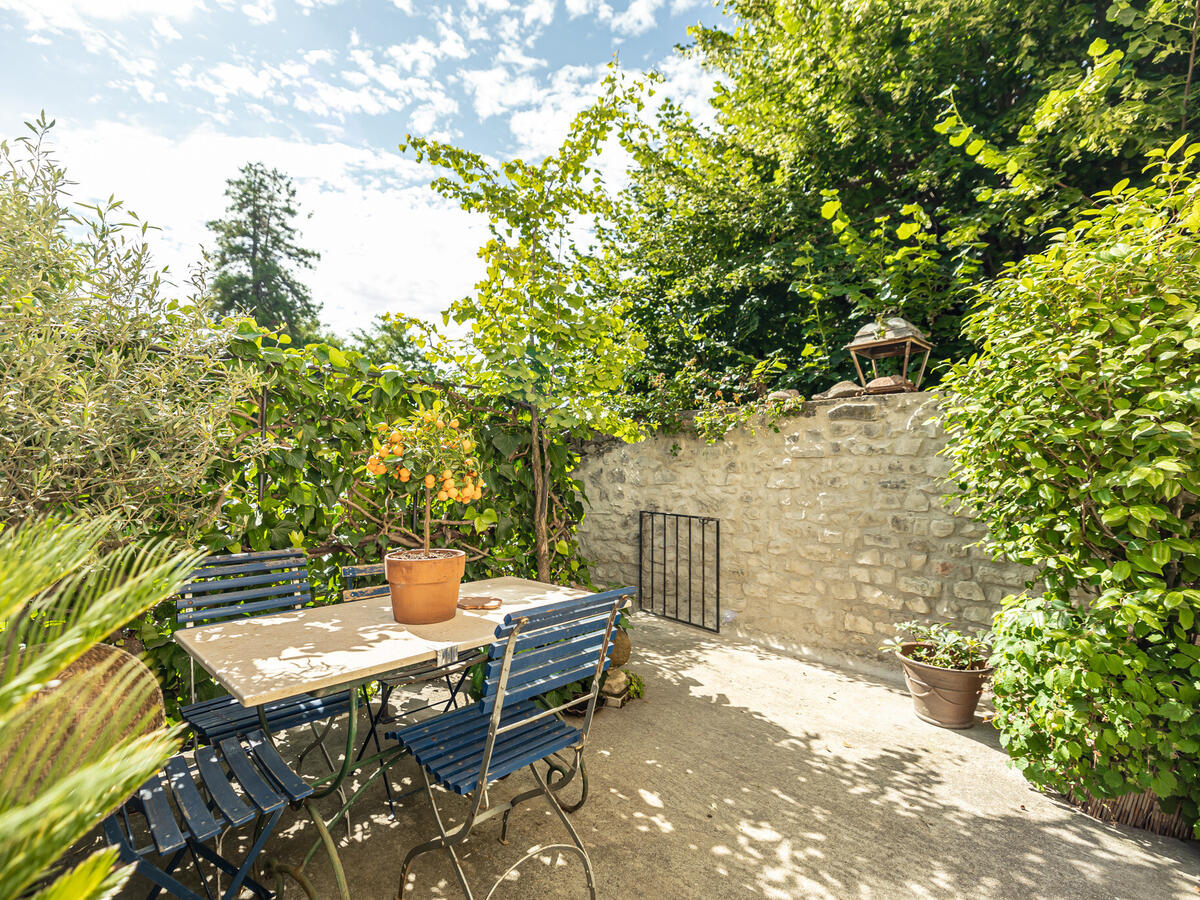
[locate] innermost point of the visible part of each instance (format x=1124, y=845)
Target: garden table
x=267, y=658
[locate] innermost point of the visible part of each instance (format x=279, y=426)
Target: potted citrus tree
x=429, y=454
x=945, y=671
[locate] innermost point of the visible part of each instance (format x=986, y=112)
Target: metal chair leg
x=445, y=841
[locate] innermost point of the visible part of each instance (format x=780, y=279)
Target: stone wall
x=833, y=528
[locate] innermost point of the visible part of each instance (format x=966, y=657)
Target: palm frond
x=59, y=596
x=34, y=836
x=80, y=725
x=97, y=877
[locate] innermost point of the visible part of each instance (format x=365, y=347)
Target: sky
x=158, y=102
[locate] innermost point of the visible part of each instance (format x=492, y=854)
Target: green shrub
x=114, y=397
x=1074, y=438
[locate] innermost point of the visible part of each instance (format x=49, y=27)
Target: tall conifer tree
x=258, y=253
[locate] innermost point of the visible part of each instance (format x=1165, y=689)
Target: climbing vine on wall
x=293, y=476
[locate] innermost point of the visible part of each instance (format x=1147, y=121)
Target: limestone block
x=859, y=624
x=877, y=597
x=881, y=539
x=969, y=590
x=941, y=528
x=841, y=589
x=924, y=587
x=868, y=557
x=853, y=410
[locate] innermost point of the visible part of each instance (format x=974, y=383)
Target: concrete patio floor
x=747, y=773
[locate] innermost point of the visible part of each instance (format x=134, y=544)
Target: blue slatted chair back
x=554, y=646
x=364, y=582
x=244, y=584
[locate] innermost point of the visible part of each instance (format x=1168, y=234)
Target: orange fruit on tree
x=454, y=423
x=442, y=495
x=430, y=481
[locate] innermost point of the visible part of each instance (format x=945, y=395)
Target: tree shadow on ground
x=745, y=773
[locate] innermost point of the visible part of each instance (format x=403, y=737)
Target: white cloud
x=313, y=57
x=598, y=8
x=539, y=12
x=452, y=45
x=405, y=6
x=260, y=12
x=514, y=56
x=387, y=242
x=80, y=15
x=497, y=91
x=165, y=30
x=638, y=17
x=225, y=80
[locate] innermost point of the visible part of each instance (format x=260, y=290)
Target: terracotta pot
x=945, y=697
x=621, y=648
x=424, y=590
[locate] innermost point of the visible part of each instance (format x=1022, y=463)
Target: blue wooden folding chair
x=153, y=833
x=250, y=584
x=468, y=749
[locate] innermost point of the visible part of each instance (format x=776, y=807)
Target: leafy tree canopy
x=258, y=254
x=542, y=332
x=881, y=157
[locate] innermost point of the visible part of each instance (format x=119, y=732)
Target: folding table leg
x=374, y=720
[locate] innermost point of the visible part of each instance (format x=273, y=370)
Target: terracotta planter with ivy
x=941, y=696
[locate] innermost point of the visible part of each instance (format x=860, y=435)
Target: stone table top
x=273, y=657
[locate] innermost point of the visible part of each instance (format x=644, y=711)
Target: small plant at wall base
x=941, y=645
x=944, y=669
x=429, y=454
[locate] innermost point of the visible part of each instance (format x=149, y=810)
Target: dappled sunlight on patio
x=746, y=772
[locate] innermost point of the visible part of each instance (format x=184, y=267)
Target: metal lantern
x=893, y=337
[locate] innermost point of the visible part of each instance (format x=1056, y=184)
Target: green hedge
x=1075, y=438
x=307, y=452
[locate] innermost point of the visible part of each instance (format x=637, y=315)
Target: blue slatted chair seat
x=192, y=801
x=224, y=716
x=450, y=746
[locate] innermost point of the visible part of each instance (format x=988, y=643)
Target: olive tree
x=114, y=396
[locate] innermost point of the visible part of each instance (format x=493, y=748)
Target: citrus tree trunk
x=540, y=464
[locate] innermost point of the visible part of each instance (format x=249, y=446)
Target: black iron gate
x=679, y=568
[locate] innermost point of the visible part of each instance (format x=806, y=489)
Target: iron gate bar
x=652, y=590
